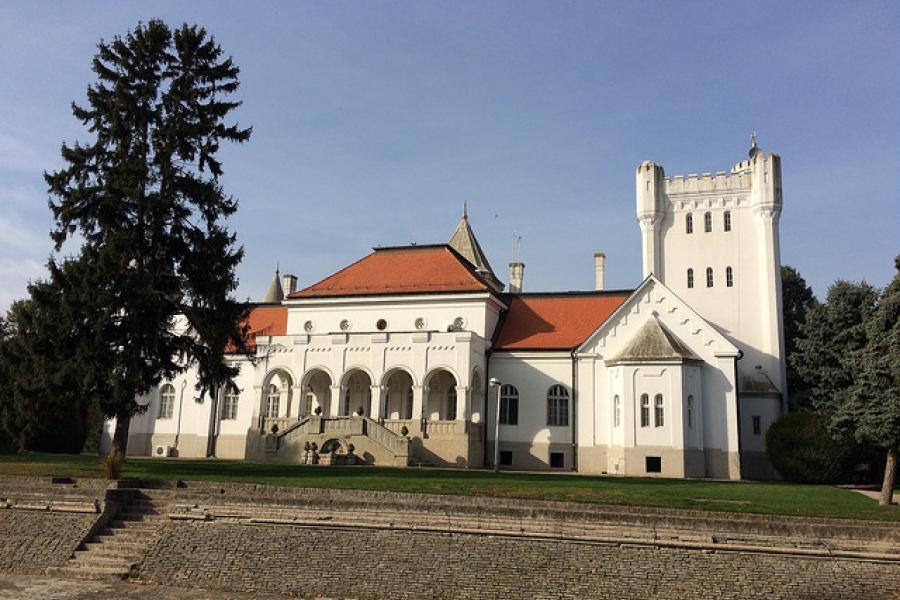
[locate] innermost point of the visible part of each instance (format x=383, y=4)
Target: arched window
x=273, y=401
x=690, y=411
x=645, y=410
x=727, y=220
x=729, y=277
x=689, y=223
x=707, y=222
x=509, y=405
x=709, y=277
x=558, y=406
x=166, y=401
x=617, y=411
x=451, y=403
x=658, y=412
x=230, y=403
x=690, y=278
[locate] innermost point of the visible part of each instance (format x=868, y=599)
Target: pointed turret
x=275, y=293
x=463, y=241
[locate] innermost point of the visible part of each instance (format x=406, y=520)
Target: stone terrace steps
x=111, y=553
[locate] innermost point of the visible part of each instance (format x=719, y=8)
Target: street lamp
x=494, y=382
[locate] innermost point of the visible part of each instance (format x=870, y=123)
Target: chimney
x=289, y=284
x=599, y=269
x=516, y=274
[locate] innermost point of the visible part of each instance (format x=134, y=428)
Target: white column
x=336, y=399
x=462, y=403
x=376, y=403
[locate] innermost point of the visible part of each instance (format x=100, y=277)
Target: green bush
x=802, y=450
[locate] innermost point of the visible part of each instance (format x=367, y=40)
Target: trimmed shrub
x=802, y=450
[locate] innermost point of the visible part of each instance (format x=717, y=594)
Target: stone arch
x=277, y=393
x=397, y=386
x=392, y=370
x=315, y=390
x=435, y=370
x=441, y=402
x=356, y=391
x=337, y=444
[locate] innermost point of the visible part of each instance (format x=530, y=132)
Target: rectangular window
x=509, y=411
x=658, y=411
x=273, y=407
x=645, y=411
x=757, y=425
x=506, y=458
x=558, y=412
x=617, y=412
x=557, y=460
x=229, y=407
x=654, y=464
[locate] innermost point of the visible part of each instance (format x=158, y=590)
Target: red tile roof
x=401, y=270
x=555, y=321
x=263, y=320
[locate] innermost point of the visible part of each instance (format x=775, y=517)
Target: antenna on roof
x=516, y=246
x=465, y=209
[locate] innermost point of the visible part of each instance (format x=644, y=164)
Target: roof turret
x=463, y=241
x=275, y=293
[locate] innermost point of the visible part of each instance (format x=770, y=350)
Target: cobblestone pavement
x=15, y=587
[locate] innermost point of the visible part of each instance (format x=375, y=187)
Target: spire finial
x=753, y=140
x=465, y=209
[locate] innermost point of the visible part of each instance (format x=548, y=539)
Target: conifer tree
x=145, y=201
x=869, y=408
x=797, y=298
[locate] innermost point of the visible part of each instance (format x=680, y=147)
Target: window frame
x=617, y=411
x=452, y=402
x=659, y=411
x=709, y=277
x=166, y=401
x=707, y=222
x=729, y=277
x=726, y=220
x=690, y=412
x=230, y=401
x=273, y=399
x=645, y=410
x=690, y=278
x=509, y=404
x=757, y=424
x=557, y=406
x=689, y=223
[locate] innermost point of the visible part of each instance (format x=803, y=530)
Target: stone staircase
x=111, y=553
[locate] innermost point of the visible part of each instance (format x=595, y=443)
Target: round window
x=459, y=322
x=345, y=325
x=420, y=323
x=381, y=324
x=308, y=326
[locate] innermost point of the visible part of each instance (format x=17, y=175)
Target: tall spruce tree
x=869, y=408
x=145, y=200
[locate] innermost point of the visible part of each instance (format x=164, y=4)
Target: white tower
x=713, y=239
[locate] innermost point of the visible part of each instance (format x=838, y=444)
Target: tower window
x=707, y=222
x=727, y=220
x=757, y=425
x=689, y=223
x=690, y=411
x=166, y=401
x=690, y=278
x=658, y=415
x=645, y=410
x=709, y=277
x=617, y=411
x=729, y=277
x=509, y=405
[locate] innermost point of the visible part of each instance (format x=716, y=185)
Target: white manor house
x=388, y=361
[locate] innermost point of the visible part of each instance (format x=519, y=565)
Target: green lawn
x=751, y=497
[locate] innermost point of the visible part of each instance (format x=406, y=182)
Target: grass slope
x=735, y=496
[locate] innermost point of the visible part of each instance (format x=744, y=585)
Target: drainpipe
x=484, y=407
x=574, y=414
x=180, y=405
x=737, y=406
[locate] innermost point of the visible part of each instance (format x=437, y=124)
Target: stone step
x=111, y=544
x=89, y=560
x=122, y=535
x=148, y=526
x=78, y=572
x=102, y=551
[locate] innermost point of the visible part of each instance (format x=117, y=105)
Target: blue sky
x=374, y=122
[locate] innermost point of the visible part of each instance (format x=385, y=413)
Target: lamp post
x=494, y=382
